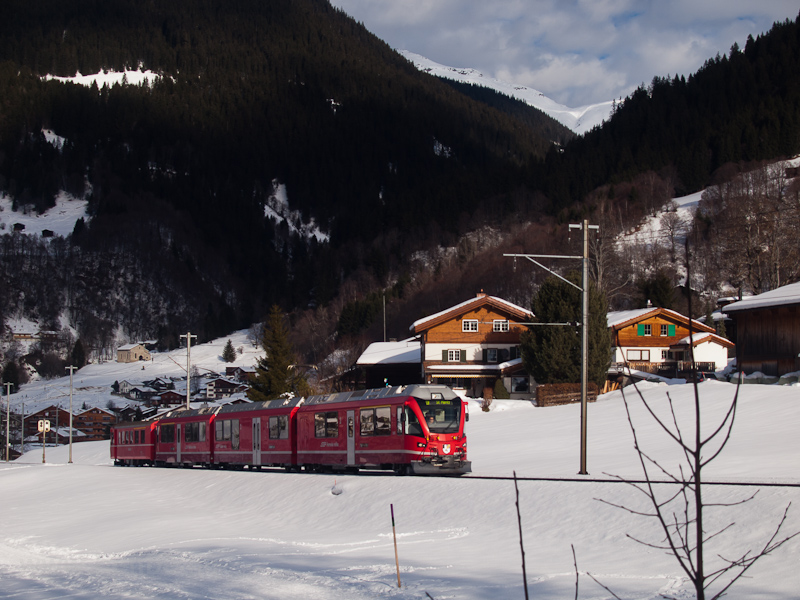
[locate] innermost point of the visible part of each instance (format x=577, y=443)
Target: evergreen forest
x=408, y=177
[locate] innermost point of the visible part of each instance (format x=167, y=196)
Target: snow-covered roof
x=488, y=368
x=129, y=346
x=464, y=305
x=788, y=294
x=391, y=353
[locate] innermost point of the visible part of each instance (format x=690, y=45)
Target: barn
x=768, y=331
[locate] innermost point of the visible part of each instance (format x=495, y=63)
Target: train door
x=178, y=441
x=351, y=437
x=257, y=441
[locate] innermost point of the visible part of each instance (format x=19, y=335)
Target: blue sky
x=575, y=51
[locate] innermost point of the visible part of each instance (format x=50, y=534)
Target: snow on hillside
x=109, y=78
x=91, y=530
x=60, y=219
x=580, y=120
x=92, y=384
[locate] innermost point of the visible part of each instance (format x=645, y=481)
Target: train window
x=326, y=424
x=235, y=434
x=412, y=424
x=383, y=421
x=442, y=416
x=399, y=420
x=367, y=416
x=279, y=428
x=224, y=431
x=376, y=421
x=167, y=433
x=195, y=432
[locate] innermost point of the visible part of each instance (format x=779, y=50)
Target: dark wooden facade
x=768, y=339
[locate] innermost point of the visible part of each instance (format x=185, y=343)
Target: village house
x=219, y=388
x=59, y=423
x=94, y=422
x=473, y=344
x=241, y=374
x=132, y=353
x=656, y=340
x=768, y=331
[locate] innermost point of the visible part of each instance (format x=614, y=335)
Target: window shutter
x=484, y=354
x=444, y=355
x=640, y=329
x=463, y=356
x=671, y=330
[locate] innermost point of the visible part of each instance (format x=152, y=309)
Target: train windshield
x=442, y=416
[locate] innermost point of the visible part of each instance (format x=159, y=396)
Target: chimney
x=481, y=294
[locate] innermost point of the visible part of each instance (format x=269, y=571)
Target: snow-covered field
x=90, y=530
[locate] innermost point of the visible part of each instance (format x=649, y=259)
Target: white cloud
x=577, y=52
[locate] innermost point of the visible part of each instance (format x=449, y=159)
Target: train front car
x=133, y=444
x=434, y=418
x=383, y=429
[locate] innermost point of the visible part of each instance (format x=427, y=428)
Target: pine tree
x=552, y=354
x=78, y=355
x=275, y=372
x=228, y=353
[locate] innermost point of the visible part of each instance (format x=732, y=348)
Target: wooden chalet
x=219, y=388
x=471, y=345
x=768, y=331
x=656, y=340
x=95, y=423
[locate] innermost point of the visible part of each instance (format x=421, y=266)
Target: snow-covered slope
x=90, y=530
x=580, y=120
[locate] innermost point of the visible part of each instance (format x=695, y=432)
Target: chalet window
x=668, y=330
x=279, y=428
x=665, y=355
x=454, y=355
x=491, y=355
x=499, y=325
x=326, y=425
x=469, y=325
x=644, y=329
x=638, y=355
x=520, y=385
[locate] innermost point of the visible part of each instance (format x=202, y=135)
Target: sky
x=576, y=52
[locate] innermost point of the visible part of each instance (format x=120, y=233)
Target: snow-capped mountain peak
x=580, y=120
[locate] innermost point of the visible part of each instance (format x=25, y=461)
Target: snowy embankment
x=91, y=530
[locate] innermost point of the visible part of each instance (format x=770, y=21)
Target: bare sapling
x=680, y=509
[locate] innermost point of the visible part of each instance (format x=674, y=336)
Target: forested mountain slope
x=254, y=97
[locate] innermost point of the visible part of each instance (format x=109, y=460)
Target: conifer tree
x=552, y=354
x=275, y=372
x=229, y=353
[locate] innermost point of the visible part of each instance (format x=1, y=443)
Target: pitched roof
x=471, y=304
x=624, y=318
x=785, y=295
x=705, y=336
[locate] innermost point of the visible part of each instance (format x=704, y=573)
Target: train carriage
x=133, y=443
x=257, y=434
x=184, y=437
x=415, y=429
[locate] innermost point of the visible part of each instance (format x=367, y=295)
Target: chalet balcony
x=671, y=369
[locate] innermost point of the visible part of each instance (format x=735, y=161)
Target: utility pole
x=188, y=337
x=8, y=385
x=70, y=368
x=584, y=289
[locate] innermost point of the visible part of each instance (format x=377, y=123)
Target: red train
x=415, y=429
